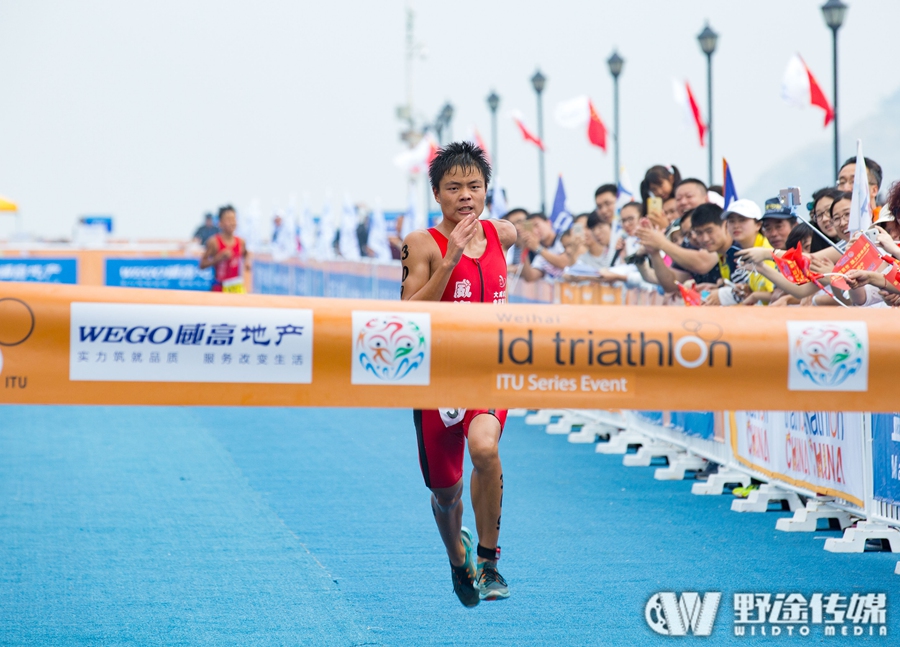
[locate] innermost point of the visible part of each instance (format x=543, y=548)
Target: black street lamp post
x=834, y=12
x=538, y=81
x=445, y=118
x=615, y=63
x=708, y=39
x=493, y=102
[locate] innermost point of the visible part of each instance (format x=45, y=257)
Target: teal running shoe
x=491, y=585
x=464, y=577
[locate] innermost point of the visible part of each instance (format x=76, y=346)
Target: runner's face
x=461, y=193
x=228, y=223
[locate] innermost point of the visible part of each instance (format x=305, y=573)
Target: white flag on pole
x=860, y=206
x=325, y=240
x=411, y=217
x=349, y=241
x=378, y=235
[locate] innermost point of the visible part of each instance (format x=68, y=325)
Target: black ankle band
x=492, y=554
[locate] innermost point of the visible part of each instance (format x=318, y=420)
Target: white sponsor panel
x=828, y=356
x=126, y=342
x=820, y=448
x=391, y=348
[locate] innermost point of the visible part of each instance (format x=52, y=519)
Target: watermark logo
x=828, y=356
x=670, y=615
x=391, y=348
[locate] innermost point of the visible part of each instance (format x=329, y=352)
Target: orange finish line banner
x=92, y=345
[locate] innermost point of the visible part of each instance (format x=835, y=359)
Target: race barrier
x=843, y=465
x=71, y=342
x=360, y=280
x=166, y=265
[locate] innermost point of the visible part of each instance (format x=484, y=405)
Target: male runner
x=227, y=253
x=462, y=259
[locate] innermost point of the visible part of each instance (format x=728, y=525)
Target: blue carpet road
x=214, y=526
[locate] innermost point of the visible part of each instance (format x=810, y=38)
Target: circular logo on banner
x=828, y=354
x=16, y=322
x=390, y=347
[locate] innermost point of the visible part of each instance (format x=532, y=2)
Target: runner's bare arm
x=418, y=259
x=209, y=254
x=506, y=231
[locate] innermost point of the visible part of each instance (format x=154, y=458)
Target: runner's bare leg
x=487, y=478
x=446, y=503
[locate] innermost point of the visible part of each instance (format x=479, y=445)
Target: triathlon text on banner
x=95, y=345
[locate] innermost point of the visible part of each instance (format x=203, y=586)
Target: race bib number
x=452, y=417
x=235, y=285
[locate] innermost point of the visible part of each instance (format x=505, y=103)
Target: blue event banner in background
x=886, y=456
x=160, y=273
x=39, y=270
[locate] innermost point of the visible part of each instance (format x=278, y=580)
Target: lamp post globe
x=538, y=81
x=708, y=39
x=834, y=12
x=615, y=63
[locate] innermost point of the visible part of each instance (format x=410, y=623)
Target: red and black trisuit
x=442, y=433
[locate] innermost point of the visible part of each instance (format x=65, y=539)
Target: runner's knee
x=484, y=452
x=445, y=499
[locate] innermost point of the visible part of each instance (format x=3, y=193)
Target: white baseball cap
x=745, y=208
x=884, y=216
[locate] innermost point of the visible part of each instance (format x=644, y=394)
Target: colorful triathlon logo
x=391, y=348
x=828, y=356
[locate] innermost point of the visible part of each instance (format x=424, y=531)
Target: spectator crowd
x=684, y=241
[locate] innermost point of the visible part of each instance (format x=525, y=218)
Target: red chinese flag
x=596, y=130
x=690, y=295
x=528, y=135
x=861, y=255
x=793, y=265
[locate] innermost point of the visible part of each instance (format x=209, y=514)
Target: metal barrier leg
x=568, y=420
x=618, y=443
x=854, y=539
x=648, y=451
x=675, y=471
x=590, y=432
x=806, y=519
x=544, y=416
x=716, y=483
x=758, y=500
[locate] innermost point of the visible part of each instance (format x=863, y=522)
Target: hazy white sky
x=158, y=111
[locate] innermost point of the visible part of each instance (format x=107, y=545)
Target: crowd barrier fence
x=846, y=466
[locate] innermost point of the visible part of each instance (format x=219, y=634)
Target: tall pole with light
x=708, y=39
x=446, y=117
x=538, y=81
x=493, y=102
x=834, y=12
x=615, y=63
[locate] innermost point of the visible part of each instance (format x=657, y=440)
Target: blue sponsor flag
x=730, y=192
x=560, y=218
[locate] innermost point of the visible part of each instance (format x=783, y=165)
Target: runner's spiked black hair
x=465, y=155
